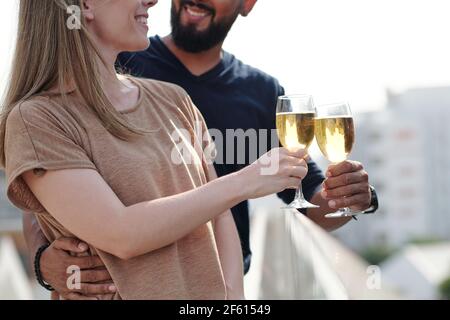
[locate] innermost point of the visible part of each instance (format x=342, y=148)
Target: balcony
x=296, y=259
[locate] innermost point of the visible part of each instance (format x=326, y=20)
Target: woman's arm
x=84, y=203
x=230, y=254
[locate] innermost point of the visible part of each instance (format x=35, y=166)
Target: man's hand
x=55, y=261
x=347, y=185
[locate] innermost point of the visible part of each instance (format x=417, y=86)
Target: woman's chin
x=139, y=45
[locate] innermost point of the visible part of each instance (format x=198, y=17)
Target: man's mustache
x=198, y=5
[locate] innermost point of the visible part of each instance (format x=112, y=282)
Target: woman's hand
x=275, y=171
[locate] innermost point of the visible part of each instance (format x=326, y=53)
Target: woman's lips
x=142, y=20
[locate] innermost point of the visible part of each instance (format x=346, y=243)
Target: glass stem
x=299, y=192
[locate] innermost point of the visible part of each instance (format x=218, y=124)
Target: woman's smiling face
x=119, y=24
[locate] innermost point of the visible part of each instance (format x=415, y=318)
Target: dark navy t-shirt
x=232, y=95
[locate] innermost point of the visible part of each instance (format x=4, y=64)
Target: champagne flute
x=295, y=127
x=335, y=135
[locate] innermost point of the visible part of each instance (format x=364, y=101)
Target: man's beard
x=191, y=40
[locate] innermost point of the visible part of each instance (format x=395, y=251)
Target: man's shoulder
x=248, y=72
x=128, y=60
x=152, y=51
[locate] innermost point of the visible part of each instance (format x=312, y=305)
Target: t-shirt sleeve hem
x=15, y=178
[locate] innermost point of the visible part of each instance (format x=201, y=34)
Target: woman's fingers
x=292, y=183
x=297, y=172
x=298, y=153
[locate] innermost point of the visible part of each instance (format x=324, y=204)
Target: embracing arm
x=34, y=237
x=59, y=256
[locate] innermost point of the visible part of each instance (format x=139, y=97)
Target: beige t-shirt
x=47, y=133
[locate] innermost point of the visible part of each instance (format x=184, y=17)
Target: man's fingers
x=89, y=262
x=77, y=296
x=94, y=289
x=347, y=166
x=356, y=200
x=70, y=244
x=93, y=276
x=346, y=179
x=346, y=191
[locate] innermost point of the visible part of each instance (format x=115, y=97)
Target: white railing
x=14, y=284
x=296, y=259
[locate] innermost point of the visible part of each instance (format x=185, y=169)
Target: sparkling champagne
x=295, y=130
x=335, y=137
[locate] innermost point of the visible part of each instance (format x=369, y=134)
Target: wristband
x=37, y=268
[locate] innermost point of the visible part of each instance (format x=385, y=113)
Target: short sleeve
x=35, y=139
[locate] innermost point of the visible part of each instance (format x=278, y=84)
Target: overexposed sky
x=346, y=49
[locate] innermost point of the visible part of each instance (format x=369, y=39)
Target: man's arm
x=230, y=254
x=56, y=259
x=33, y=235
x=318, y=214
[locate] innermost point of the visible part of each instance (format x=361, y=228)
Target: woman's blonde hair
x=49, y=54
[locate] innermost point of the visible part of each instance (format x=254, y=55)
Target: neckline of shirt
x=213, y=72
x=140, y=98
